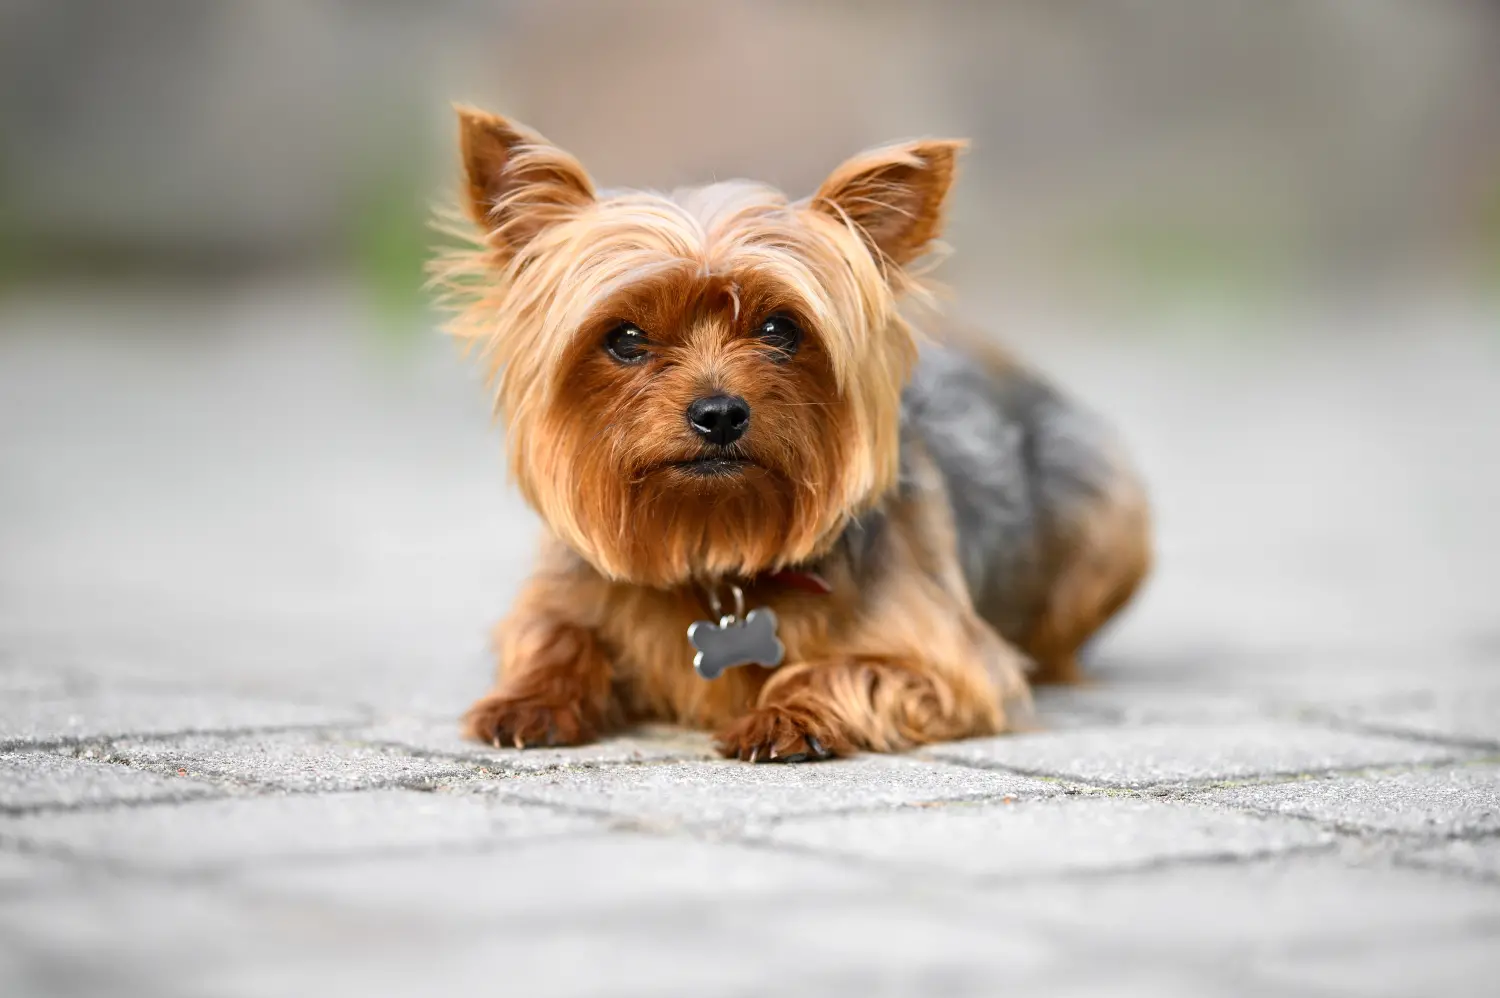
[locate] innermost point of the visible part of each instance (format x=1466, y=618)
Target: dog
x=717, y=406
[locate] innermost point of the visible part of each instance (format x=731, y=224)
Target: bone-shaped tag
x=731, y=642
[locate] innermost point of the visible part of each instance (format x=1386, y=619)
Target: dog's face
x=700, y=385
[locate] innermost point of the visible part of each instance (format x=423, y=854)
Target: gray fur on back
x=1016, y=457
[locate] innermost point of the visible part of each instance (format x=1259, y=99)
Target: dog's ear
x=517, y=183
x=894, y=195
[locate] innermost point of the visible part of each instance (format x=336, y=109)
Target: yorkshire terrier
x=774, y=510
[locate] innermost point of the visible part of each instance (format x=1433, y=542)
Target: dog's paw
x=527, y=722
x=780, y=734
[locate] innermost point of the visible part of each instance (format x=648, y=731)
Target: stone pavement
x=246, y=564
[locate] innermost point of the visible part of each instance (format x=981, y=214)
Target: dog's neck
x=850, y=551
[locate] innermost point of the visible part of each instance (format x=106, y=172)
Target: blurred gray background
x=1232, y=145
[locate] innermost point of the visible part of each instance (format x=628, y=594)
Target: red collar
x=806, y=581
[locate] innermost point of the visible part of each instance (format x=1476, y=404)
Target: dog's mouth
x=714, y=466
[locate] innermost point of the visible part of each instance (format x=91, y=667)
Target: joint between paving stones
x=1355, y=832
x=1161, y=788
x=917, y=874
x=70, y=741
x=1350, y=726
x=503, y=765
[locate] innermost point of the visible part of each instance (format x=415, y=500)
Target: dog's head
x=699, y=385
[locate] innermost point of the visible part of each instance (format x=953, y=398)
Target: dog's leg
x=554, y=683
x=816, y=710
x=923, y=668
x=1103, y=554
x=824, y=709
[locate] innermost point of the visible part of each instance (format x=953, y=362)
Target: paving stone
x=288, y=761
x=70, y=666
x=734, y=792
x=440, y=737
x=1463, y=967
x=143, y=939
x=18, y=678
x=1135, y=703
x=38, y=779
x=115, y=713
x=1119, y=977
x=25, y=872
x=1478, y=856
x=1235, y=914
x=888, y=952
x=221, y=833
x=1468, y=714
x=554, y=881
x=861, y=946
x=1042, y=837
x=874, y=947
x=1167, y=753
x=148, y=940
x=260, y=939
x=1447, y=801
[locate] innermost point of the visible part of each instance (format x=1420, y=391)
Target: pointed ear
x=895, y=195
x=518, y=183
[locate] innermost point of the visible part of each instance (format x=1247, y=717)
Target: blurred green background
x=1146, y=152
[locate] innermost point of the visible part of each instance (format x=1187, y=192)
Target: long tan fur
x=891, y=658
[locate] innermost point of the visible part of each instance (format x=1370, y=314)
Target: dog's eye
x=781, y=333
x=626, y=343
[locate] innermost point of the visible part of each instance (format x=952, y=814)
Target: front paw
x=781, y=734
x=523, y=721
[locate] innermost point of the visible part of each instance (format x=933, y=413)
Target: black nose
x=720, y=419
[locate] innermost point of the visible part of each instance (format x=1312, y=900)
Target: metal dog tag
x=733, y=642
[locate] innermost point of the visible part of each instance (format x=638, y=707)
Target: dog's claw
x=817, y=746
x=755, y=753
x=519, y=742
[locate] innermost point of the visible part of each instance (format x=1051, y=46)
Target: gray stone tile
x=71, y=665
x=734, y=792
x=1167, y=753
x=440, y=737
x=212, y=834
x=1137, y=703
x=113, y=713
x=25, y=872
x=880, y=947
x=287, y=761
x=1231, y=915
x=1465, y=713
x=863, y=946
x=144, y=939
x=1207, y=930
x=21, y=678
x=1452, y=800
x=147, y=940
x=1477, y=856
x=39, y=779
x=551, y=882
x=1043, y=837
x=1467, y=966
